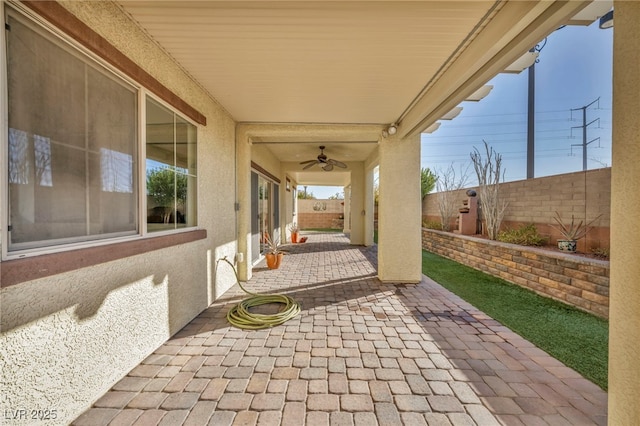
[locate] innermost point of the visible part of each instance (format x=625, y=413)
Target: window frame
x=143, y=170
x=39, y=24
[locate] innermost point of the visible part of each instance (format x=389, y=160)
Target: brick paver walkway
x=361, y=353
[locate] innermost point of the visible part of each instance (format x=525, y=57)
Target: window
x=171, y=169
x=72, y=143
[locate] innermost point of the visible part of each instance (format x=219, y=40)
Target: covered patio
x=93, y=291
x=361, y=352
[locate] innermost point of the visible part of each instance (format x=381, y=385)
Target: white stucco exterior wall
x=399, y=211
x=66, y=339
x=624, y=319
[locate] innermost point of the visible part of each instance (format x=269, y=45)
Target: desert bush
x=601, y=252
x=432, y=224
x=525, y=235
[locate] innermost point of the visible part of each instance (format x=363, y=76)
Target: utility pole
x=531, y=112
x=584, y=127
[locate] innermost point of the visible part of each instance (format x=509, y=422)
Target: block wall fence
x=320, y=214
x=583, y=194
x=578, y=281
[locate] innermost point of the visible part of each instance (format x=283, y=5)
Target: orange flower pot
x=274, y=260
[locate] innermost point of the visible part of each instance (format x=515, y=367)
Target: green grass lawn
x=578, y=339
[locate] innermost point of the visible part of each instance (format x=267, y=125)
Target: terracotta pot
x=294, y=237
x=273, y=260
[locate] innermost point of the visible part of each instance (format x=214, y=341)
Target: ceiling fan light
x=323, y=161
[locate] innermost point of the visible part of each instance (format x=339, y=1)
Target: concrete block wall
x=318, y=220
x=320, y=214
x=582, y=194
x=575, y=280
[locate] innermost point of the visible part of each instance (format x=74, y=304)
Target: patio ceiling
x=345, y=62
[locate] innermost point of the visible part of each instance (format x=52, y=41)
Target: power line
x=584, y=128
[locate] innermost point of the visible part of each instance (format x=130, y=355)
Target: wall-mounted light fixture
x=606, y=21
x=391, y=130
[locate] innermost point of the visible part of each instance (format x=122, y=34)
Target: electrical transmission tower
x=584, y=128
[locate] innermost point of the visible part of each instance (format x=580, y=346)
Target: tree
x=448, y=184
x=337, y=196
x=427, y=181
x=489, y=174
x=167, y=188
x=306, y=195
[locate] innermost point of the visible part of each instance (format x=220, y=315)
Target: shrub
x=432, y=224
x=525, y=235
x=601, y=252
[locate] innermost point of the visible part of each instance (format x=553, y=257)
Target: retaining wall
x=578, y=281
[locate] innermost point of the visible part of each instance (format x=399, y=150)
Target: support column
x=369, y=205
x=624, y=301
x=243, y=159
x=358, y=212
x=399, y=211
x=346, y=228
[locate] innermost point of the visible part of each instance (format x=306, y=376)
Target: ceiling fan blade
x=328, y=167
x=337, y=163
x=308, y=161
x=310, y=165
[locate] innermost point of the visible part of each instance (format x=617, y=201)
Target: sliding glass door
x=264, y=213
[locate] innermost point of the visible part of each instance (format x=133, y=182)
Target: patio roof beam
x=486, y=56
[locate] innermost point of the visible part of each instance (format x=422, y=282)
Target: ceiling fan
x=326, y=163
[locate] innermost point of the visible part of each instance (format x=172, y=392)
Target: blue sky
x=574, y=69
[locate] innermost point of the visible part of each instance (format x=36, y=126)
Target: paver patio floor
x=361, y=352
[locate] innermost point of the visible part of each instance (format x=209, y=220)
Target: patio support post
x=624, y=301
x=346, y=227
x=243, y=159
x=358, y=208
x=399, y=210
x=369, y=207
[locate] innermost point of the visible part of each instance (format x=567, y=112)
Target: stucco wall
x=583, y=194
x=68, y=338
x=624, y=333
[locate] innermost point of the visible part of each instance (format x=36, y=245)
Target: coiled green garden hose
x=240, y=316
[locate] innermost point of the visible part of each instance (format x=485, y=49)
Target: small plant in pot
x=294, y=232
x=274, y=252
x=571, y=232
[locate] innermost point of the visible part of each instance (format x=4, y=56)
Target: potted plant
x=274, y=252
x=571, y=232
x=294, y=232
